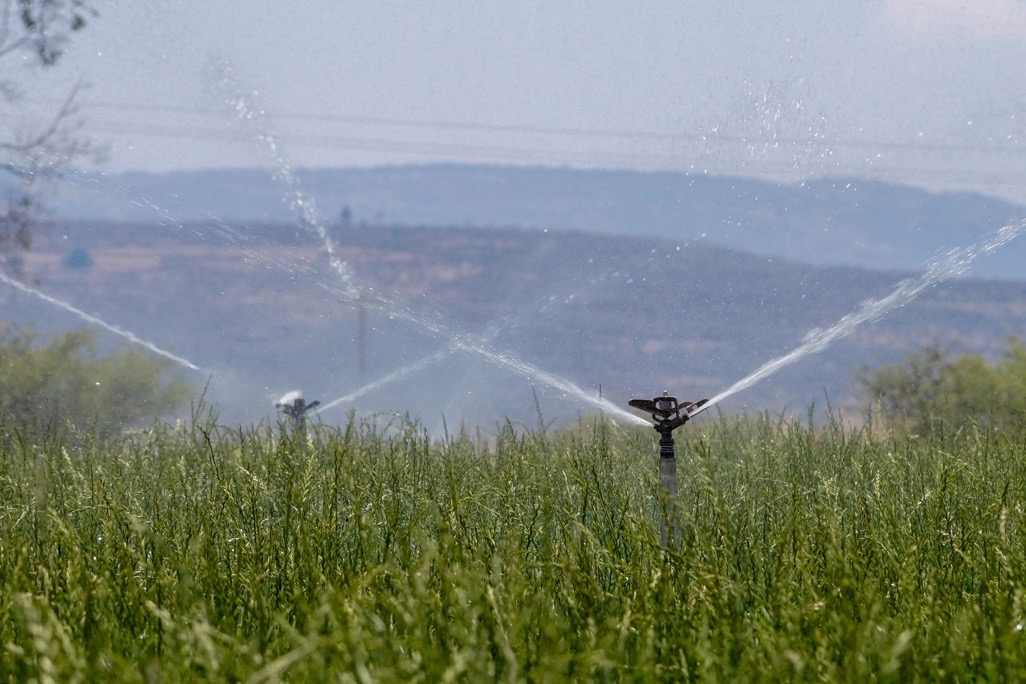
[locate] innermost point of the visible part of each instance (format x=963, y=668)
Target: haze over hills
x=821, y=222
x=257, y=306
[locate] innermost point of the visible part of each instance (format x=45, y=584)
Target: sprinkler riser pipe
x=667, y=447
x=668, y=476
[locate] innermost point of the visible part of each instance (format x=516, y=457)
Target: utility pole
x=361, y=348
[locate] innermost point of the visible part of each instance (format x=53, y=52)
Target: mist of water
x=951, y=265
x=394, y=376
x=300, y=202
x=459, y=342
x=396, y=311
x=474, y=346
x=350, y=291
x=954, y=264
x=121, y=332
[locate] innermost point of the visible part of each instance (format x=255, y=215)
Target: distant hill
x=823, y=222
x=258, y=306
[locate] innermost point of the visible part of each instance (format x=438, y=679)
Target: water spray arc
x=351, y=293
x=121, y=332
x=952, y=265
x=464, y=343
x=456, y=341
x=480, y=341
x=394, y=376
x=304, y=205
x=668, y=414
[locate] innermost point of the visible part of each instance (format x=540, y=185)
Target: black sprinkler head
x=668, y=414
x=296, y=408
x=667, y=411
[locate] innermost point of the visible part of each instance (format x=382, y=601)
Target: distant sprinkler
x=295, y=407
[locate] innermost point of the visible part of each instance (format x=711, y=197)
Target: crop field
x=374, y=553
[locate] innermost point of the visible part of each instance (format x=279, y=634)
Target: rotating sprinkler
x=666, y=412
x=295, y=407
x=668, y=415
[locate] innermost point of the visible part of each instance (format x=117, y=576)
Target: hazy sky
x=923, y=91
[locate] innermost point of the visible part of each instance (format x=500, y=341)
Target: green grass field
x=376, y=554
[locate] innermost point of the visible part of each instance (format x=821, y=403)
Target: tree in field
x=64, y=383
x=934, y=387
x=33, y=36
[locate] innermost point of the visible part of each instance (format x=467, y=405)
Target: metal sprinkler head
x=295, y=407
x=668, y=415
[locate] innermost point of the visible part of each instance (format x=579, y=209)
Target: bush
x=935, y=387
x=65, y=383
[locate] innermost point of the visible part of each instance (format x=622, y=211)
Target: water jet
x=351, y=291
x=96, y=320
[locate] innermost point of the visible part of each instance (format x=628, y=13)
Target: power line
x=467, y=126
x=689, y=152
x=365, y=144
x=380, y=121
